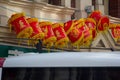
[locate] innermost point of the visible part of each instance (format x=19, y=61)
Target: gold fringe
x=25, y=33
x=15, y=16
x=32, y=20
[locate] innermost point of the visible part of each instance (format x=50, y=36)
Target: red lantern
x=102, y=21
x=60, y=34
x=75, y=36
x=116, y=32
x=68, y=26
x=37, y=32
x=87, y=35
x=20, y=25
x=103, y=24
x=49, y=38
x=79, y=23
x=91, y=24
x=96, y=15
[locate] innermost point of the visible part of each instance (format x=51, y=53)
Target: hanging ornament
x=116, y=32
x=68, y=26
x=49, y=38
x=20, y=25
x=87, y=34
x=62, y=39
x=75, y=36
x=79, y=23
x=37, y=32
x=101, y=20
x=91, y=24
x=87, y=37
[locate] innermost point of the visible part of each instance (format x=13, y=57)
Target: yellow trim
x=32, y=20
x=33, y=42
x=45, y=23
x=99, y=23
x=63, y=42
x=91, y=20
x=112, y=25
x=87, y=43
x=76, y=43
x=62, y=24
x=49, y=41
x=38, y=36
x=96, y=11
x=69, y=30
x=25, y=33
x=55, y=25
x=81, y=20
x=15, y=16
x=88, y=38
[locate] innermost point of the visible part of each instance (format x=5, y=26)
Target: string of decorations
x=75, y=33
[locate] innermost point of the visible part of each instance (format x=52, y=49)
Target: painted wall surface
x=49, y=13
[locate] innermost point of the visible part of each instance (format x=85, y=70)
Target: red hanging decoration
x=102, y=21
x=49, y=38
x=37, y=32
x=60, y=34
x=68, y=26
x=20, y=25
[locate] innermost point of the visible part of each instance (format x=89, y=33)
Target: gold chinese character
x=21, y=24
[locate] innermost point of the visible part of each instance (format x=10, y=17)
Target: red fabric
x=36, y=28
x=48, y=31
x=96, y=15
x=116, y=32
x=104, y=20
x=20, y=24
x=74, y=35
x=67, y=25
x=59, y=32
x=2, y=61
x=90, y=25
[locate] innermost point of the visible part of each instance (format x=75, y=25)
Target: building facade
x=62, y=11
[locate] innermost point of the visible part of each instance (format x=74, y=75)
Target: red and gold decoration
x=75, y=36
x=87, y=36
x=112, y=25
x=79, y=32
x=37, y=32
x=49, y=38
x=116, y=32
x=91, y=24
x=68, y=26
x=79, y=23
x=101, y=20
x=20, y=25
x=62, y=39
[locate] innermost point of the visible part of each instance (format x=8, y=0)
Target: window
x=94, y=4
x=73, y=3
x=55, y=2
